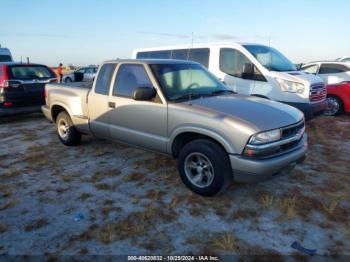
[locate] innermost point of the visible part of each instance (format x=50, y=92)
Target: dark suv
x=22, y=87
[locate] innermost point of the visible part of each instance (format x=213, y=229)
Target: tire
x=334, y=106
x=207, y=159
x=68, y=80
x=66, y=132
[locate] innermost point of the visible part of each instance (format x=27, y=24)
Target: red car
x=338, y=99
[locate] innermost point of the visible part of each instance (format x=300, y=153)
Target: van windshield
x=270, y=58
x=185, y=81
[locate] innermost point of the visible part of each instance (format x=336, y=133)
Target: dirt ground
x=108, y=198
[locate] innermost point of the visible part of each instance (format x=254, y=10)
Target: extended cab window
x=332, y=69
x=130, y=77
x=104, y=78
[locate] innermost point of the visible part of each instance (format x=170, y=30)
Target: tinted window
x=232, y=62
x=200, y=56
x=104, y=78
x=181, y=54
x=25, y=72
x=312, y=69
x=332, y=69
x=160, y=54
x=142, y=55
x=5, y=58
x=90, y=70
x=130, y=77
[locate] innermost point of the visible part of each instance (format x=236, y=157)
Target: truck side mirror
x=144, y=93
x=248, y=71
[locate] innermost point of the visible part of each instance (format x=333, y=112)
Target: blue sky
x=83, y=32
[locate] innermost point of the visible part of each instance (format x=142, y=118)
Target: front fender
x=213, y=134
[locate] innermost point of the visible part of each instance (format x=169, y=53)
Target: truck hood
x=261, y=114
x=298, y=76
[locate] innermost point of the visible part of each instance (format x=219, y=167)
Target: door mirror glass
x=144, y=93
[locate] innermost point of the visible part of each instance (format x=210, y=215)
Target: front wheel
x=68, y=80
x=334, y=106
x=66, y=132
x=204, y=167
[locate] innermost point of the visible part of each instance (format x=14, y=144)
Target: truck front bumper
x=47, y=113
x=247, y=170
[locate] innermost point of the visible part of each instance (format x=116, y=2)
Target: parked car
x=251, y=69
x=338, y=99
x=180, y=109
x=5, y=55
x=22, y=87
x=330, y=72
x=345, y=59
x=82, y=74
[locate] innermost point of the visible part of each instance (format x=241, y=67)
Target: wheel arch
x=181, y=138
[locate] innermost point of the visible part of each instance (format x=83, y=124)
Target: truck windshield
x=185, y=81
x=270, y=58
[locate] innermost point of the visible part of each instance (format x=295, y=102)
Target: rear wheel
x=334, y=106
x=68, y=80
x=204, y=167
x=66, y=132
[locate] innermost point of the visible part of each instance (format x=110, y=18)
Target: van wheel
x=66, y=132
x=334, y=106
x=204, y=167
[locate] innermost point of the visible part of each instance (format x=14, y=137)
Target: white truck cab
x=5, y=55
x=251, y=69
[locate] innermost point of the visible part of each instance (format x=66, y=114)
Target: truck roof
x=151, y=61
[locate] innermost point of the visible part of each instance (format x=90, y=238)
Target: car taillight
x=8, y=104
x=46, y=93
x=4, y=84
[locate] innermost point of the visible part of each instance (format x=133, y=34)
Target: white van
x=5, y=55
x=251, y=69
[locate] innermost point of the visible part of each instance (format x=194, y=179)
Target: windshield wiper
x=217, y=92
x=190, y=96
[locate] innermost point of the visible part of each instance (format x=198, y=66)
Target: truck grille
x=293, y=130
x=318, y=92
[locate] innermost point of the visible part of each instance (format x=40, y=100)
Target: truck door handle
x=111, y=104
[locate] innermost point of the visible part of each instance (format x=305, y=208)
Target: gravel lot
x=108, y=198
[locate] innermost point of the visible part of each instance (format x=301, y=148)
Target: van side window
x=104, y=78
x=160, y=54
x=200, y=55
x=180, y=54
x=332, y=69
x=232, y=62
x=312, y=69
x=130, y=77
x=142, y=55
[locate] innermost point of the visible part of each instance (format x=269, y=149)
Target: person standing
x=59, y=72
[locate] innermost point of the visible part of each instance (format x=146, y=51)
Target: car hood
x=298, y=76
x=260, y=113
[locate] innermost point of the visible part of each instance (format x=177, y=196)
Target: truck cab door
x=141, y=123
x=98, y=101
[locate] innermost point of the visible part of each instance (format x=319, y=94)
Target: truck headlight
x=265, y=137
x=289, y=86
